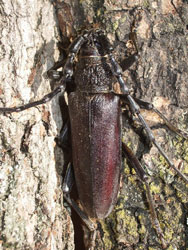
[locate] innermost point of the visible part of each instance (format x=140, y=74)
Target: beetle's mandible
x=95, y=123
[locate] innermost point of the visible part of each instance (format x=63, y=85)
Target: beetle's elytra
x=95, y=123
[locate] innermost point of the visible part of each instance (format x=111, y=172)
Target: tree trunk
x=32, y=213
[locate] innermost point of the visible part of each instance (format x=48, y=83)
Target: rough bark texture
x=31, y=202
x=32, y=213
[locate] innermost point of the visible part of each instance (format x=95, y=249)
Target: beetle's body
x=96, y=133
x=95, y=118
x=96, y=140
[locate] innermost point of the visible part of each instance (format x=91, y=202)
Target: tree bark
x=32, y=213
x=31, y=201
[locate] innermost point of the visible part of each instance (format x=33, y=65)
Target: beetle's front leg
x=68, y=63
x=53, y=73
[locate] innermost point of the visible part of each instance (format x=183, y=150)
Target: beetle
x=95, y=122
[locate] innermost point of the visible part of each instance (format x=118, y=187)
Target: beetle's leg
x=53, y=73
x=67, y=185
x=134, y=162
x=63, y=139
x=149, y=106
x=136, y=110
x=90, y=225
x=128, y=62
x=73, y=50
x=117, y=71
x=67, y=72
x=68, y=180
x=68, y=67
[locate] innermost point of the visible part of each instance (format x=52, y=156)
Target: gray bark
x=32, y=213
x=31, y=202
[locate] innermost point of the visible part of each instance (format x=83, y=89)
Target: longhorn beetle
x=95, y=122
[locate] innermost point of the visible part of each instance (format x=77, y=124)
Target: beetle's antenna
x=45, y=99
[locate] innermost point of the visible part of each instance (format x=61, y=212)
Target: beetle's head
x=96, y=45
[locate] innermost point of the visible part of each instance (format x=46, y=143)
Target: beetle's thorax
x=90, y=53
x=93, y=73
